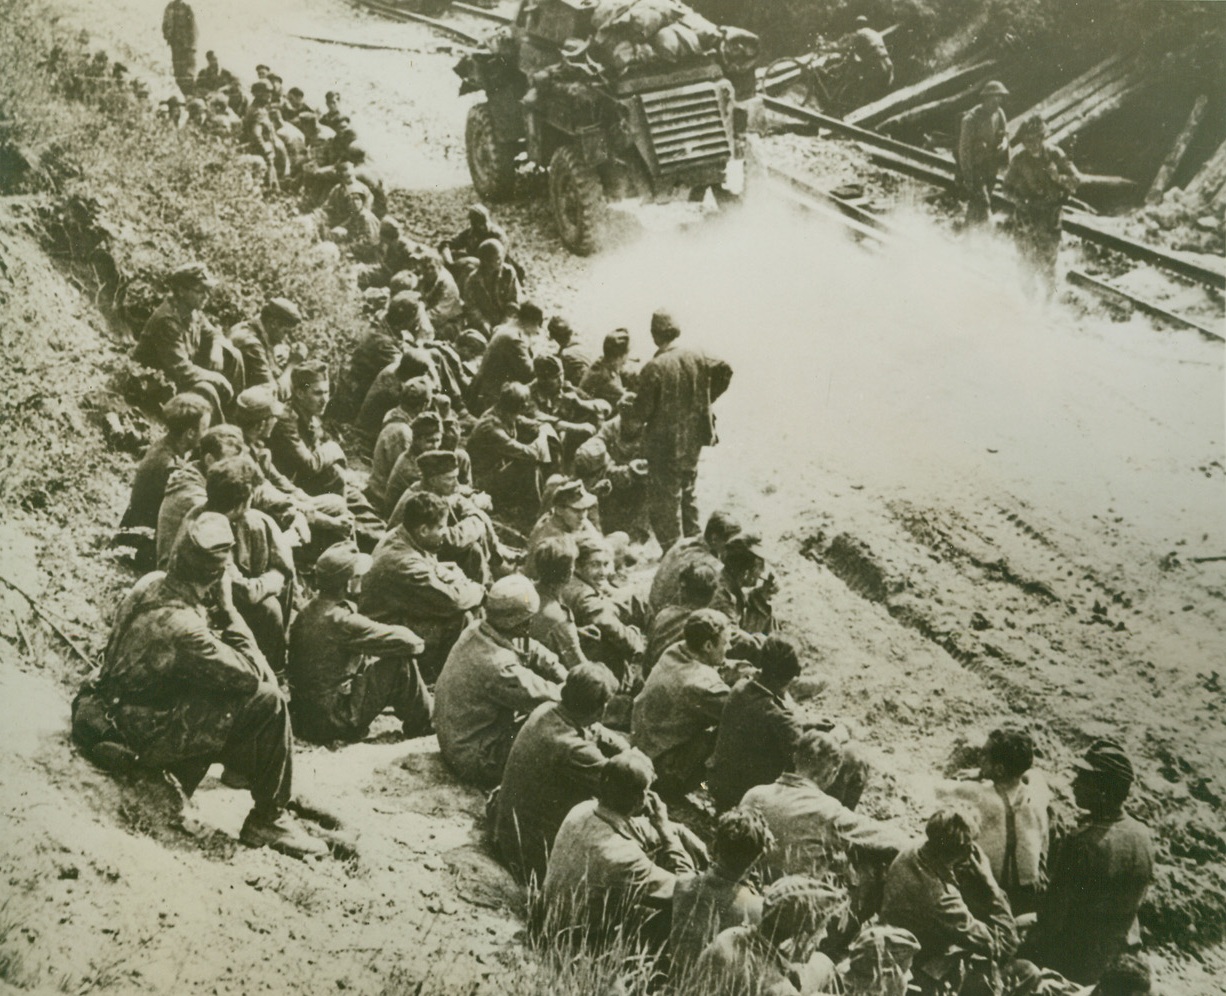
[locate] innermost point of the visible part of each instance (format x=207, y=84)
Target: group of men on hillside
x=473, y=584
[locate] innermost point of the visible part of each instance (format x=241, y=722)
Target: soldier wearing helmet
x=983, y=148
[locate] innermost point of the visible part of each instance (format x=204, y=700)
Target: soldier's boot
x=279, y=832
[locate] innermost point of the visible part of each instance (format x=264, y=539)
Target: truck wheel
x=578, y=201
x=491, y=163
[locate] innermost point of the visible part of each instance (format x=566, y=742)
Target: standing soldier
x=179, y=30
x=983, y=148
x=872, y=68
x=1039, y=179
x=676, y=390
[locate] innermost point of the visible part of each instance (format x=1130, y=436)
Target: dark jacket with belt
x=676, y=390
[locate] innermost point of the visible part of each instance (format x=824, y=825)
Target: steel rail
x=939, y=171
x=1105, y=289
x=400, y=14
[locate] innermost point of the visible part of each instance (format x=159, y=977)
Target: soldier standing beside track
x=983, y=147
x=1040, y=178
x=179, y=30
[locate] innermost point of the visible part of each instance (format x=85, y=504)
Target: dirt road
x=979, y=509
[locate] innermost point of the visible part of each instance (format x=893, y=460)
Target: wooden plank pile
x=958, y=83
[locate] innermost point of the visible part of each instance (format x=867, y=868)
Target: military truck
x=615, y=99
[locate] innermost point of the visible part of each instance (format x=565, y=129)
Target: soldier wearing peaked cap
x=344, y=668
x=604, y=378
x=1099, y=875
x=192, y=353
x=183, y=686
x=261, y=341
x=880, y=962
x=469, y=539
x=983, y=150
x=569, y=515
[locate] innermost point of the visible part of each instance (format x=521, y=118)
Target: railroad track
x=923, y=164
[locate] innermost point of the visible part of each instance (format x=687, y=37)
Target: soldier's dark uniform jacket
x=173, y=678
x=176, y=344
x=295, y=446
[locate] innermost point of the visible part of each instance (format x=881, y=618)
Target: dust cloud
x=923, y=368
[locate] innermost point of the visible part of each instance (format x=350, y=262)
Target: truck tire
x=491, y=163
x=578, y=201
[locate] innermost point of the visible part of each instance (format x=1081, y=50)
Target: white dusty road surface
x=979, y=510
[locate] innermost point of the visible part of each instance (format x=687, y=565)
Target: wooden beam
x=1170, y=165
x=960, y=99
x=899, y=100
x=1096, y=113
x=1053, y=102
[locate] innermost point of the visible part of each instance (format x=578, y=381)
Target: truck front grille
x=690, y=127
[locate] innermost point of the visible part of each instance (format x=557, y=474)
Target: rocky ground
x=978, y=508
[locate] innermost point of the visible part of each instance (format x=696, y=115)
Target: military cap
x=433, y=463
x=617, y=342
x=195, y=104
x=663, y=323
x=473, y=338
x=546, y=368
x=994, y=88
x=798, y=894
x=1032, y=127
x=174, y=100
x=266, y=69
x=340, y=562
x=203, y=547
x=192, y=275
x=572, y=494
x=592, y=457
x=880, y=952
x=261, y=86
x=490, y=250
x=256, y=404
x=512, y=600
x=1106, y=758
x=283, y=310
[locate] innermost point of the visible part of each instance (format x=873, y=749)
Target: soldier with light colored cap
x=752, y=959
x=183, y=686
x=568, y=516
x=880, y=962
x=494, y=676
x=344, y=668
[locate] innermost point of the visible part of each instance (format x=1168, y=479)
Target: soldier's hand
x=274, y=583
x=331, y=453
x=639, y=466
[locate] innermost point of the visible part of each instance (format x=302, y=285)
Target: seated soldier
x=384, y=394
x=344, y=669
x=554, y=764
x=604, y=379
x=460, y=251
x=574, y=419
x=190, y=351
x=494, y=675
x=358, y=228
x=185, y=488
x=262, y=340
x=745, y=588
x=300, y=447
x=427, y=435
x=553, y=626
x=469, y=539
x=187, y=418
x=607, y=873
x=759, y=730
x=616, y=642
x=262, y=577
x=1014, y=804
x=394, y=438
x=944, y=893
x=568, y=515
x=373, y=352
x=575, y=362
x=312, y=523
x=677, y=713
x=762, y=959
x=508, y=357
x=709, y=547
x=722, y=896
x=184, y=686
x=621, y=489
x=810, y=811
x=492, y=290
x=697, y=587
x=505, y=467
x=441, y=296
x=409, y=586
x=879, y=962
